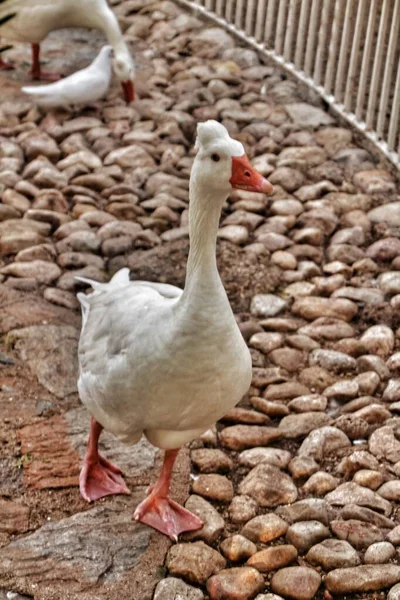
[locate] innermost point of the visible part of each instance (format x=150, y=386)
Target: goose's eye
x=215, y=157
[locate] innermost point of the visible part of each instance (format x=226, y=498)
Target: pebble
x=173, y=588
x=273, y=456
x=238, y=548
x=379, y=340
x=390, y=490
x=273, y=558
x=368, y=478
x=351, y=493
x=323, y=441
x=379, y=553
x=195, y=562
x=238, y=583
x=332, y=360
x=311, y=402
x=363, y=578
x=210, y=460
x=242, y=509
x=394, y=593
x=266, y=305
x=333, y=554
x=304, y=534
x=320, y=483
x=239, y=437
x=299, y=425
x=42, y=271
x=310, y=509
x=264, y=528
x=384, y=444
x=213, y=487
x=269, y=486
x=213, y=523
x=358, y=533
x=315, y=307
x=298, y=583
x=302, y=466
x=266, y=342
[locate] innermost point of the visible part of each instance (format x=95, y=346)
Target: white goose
x=159, y=361
x=31, y=21
x=82, y=87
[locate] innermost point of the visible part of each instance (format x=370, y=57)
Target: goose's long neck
x=202, y=275
x=113, y=32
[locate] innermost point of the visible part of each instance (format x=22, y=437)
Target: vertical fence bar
x=280, y=27
x=394, y=118
x=354, y=58
x=269, y=22
x=239, y=14
x=301, y=34
x=389, y=62
x=209, y=5
x=343, y=53
x=322, y=40
x=251, y=9
x=229, y=11
x=311, y=37
x=219, y=9
x=333, y=47
x=291, y=24
x=376, y=71
x=369, y=39
x=261, y=5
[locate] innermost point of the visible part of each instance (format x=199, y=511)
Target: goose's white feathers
x=83, y=87
x=30, y=21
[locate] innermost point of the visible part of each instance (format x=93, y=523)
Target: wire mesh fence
x=346, y=50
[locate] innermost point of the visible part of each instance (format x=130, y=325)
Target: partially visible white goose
x=83, y=87
x=31, y=21
x=159, y=361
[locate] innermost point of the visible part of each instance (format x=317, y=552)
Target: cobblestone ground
x=299, y=485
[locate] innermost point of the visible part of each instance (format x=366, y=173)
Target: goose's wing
x=123, y=325
x=80, y=87
x=108, y=293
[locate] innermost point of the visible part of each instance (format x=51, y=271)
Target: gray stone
x=307, y=115
x=269, y=486
x=266, y=305
x=213, y=523
x=51, y=353
x=176, y=589
x=364, y=578
x=351, y=493
x=379, y=553
x=304, y=534
x=333, y=554
x=297, y=583
x=103, y=542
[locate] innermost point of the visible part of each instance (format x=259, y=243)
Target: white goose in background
x=83, y=87
x=161, y=361
x=30, y=21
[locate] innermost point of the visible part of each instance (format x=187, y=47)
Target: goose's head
x=124, y=68
x=222, y=164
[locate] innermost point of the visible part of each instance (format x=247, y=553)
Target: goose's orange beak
x=245, y=177
x=129, y=91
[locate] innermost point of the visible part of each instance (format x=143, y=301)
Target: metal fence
x=346, y=50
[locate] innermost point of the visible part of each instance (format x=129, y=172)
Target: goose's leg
x=36, y=71
x=162, y=513
x=99, y=477
x=5, y=66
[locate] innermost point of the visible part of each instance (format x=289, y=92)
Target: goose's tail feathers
x=120, y=279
